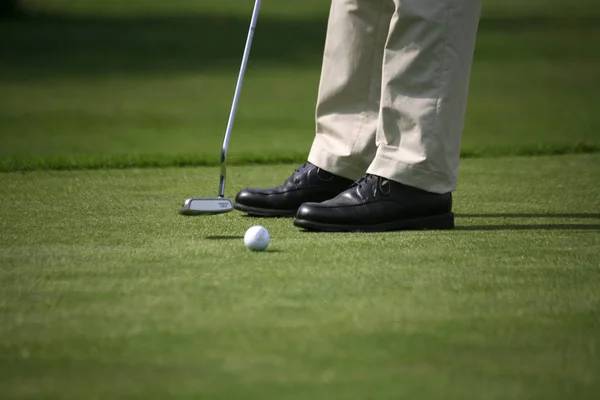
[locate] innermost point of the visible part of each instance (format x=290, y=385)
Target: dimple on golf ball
x=257, y=238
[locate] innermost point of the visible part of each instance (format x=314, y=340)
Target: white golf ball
x=257, y=238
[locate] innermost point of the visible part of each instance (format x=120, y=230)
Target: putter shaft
x=236, y=97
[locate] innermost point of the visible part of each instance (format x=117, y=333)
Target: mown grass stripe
x=204, y=160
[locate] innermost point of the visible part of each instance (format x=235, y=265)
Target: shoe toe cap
x=262, y=198
x=250, y=197
x=244, y=194
x=309, y=211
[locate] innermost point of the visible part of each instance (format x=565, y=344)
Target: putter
x=220, y=204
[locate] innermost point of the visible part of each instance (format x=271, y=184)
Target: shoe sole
x=264, y=212
x=437, y=222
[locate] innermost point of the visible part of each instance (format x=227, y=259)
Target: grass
x=105, y=292
x=92, y=84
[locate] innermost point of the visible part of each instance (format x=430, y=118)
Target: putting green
x=105, y=292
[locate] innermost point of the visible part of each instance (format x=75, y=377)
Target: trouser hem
x=345, y=167
x=412, y=175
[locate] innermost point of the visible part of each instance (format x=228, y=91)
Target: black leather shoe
x=376, y=204
x=307, y=183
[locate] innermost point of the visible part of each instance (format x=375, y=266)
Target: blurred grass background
x=90, y=83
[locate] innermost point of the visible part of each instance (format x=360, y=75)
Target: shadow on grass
x=521, y=227
x=530, y=227
x=224, y=237
x=237, y=237
x=51, y=45
x=509, y=215
x=54, y=45
x=507, y=227
x=266, y=217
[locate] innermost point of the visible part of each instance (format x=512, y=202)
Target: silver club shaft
x=238, y=89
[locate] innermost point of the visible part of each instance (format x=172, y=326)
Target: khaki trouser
x=393, y=90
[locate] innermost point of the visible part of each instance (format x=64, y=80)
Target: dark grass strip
x=203, y=160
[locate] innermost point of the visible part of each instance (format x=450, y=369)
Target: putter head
x=198, y=207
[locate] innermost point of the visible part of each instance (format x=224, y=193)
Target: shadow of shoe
x=545, y=226
x=545, y=215
x=524, y=227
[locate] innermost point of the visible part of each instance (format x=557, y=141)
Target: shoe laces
x=363, y=181
x=301, y=168
x=293, y=178
x=381, y=184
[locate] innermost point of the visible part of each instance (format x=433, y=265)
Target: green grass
x=105, y=292
x=91, y=84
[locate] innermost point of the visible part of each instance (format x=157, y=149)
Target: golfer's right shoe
x=308, y=183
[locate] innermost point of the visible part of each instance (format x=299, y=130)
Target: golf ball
x=257, y=238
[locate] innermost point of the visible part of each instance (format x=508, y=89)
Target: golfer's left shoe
x=376, y=204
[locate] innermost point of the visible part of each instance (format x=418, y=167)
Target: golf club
x=220, y=204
